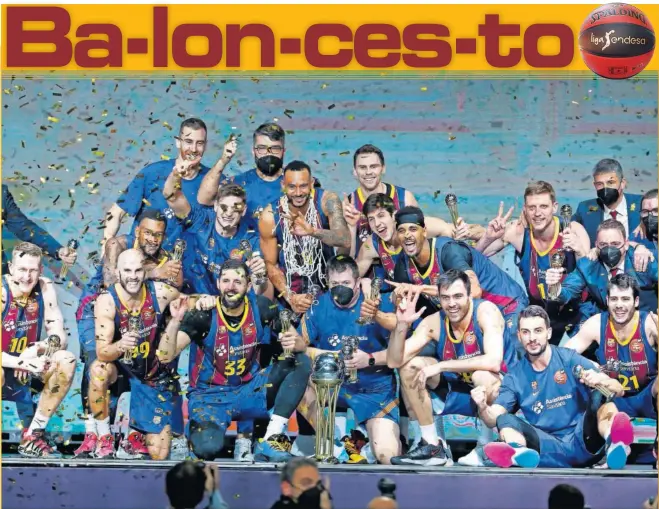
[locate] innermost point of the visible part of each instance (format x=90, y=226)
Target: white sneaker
x=473, y=459
x=242, y=450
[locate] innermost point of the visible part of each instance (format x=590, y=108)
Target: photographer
x=188, y=482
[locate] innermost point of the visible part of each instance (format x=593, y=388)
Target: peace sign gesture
x=497, y=227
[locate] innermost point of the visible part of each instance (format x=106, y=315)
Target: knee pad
x=509, y=421
x=206, y=440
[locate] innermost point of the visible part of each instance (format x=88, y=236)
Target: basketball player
x=226, y=381
x=262, y=184
x=325, y=327
x=156, y=403
x=423, y=261
x=29, y=303
x=469, y=353
x=381, y=249
x=567, y=425
x=535, y=245
x=299, y=232
x=218, y=232
x=148, y=238
x=626, y=346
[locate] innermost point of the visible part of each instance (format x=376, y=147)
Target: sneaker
x=88, y=446
x=619, y=441
x=133, y=448
x=473, y=459
x=505, y=455
x=105, y=447
x=36, y=446
x=276, y=449
x=353, y=445
x=424, y=454
x=242, y=450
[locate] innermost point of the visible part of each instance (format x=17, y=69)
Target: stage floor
x=139, y=484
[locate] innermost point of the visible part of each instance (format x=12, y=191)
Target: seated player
x=567, y=425
x=535, y=245
x=374, y=396
x=616, y=255
x=148, y=238
x=626, y=347
x=423, y=261
x=469, y=352
x=129, y=322
x=226, y=381
x=381, y=248
x=29, y=304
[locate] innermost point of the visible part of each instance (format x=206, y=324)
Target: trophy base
x=327, y=461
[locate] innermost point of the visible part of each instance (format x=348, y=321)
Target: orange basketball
x=617, y=41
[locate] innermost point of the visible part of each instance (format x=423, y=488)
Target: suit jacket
x=590, y=215
x=594, y=277
x=14, y=221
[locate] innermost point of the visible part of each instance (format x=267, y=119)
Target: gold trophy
x=327, y=376
x=177, y=253
x=72, y=245
x=565, y=219
x=578, y=372
x=556, y=262
x=286, y=318
x=134, y=324
x=53, y=344
x=246, y=248
x=376, y=285
x=348, y=349
x=452, y=204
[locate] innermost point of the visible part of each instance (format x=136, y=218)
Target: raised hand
x=496, y=228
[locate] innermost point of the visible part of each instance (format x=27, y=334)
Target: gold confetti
x=53, y=119
x=99, y=153
x=163, y=157
x=424, y=89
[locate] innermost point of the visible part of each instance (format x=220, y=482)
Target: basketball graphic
x=560, y=377
x=616, y=41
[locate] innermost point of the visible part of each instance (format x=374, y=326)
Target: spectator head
x=566, y=496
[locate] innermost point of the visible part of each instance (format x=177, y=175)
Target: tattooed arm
x=113, y=248
x=339, y=234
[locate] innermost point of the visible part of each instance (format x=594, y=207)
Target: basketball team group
x=260, y=273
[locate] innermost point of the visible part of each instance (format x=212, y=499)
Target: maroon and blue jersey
x=385, y=267
x=357, y=198
x=553, y=400
x=22, y=320
x=631, y=360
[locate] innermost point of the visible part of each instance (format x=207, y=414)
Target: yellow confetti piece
x=7, y=91
x=105, y=113
x=165, y=124
x=351, y=117
x=53, y=119
x=163, y=157
x=424, y=89
x=99, y=153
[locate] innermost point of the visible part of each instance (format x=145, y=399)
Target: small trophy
x=327, y=376
x=556, y=262
x=53, y=344
x=452, y=204
x=348, y=349
x=246, y=248
x=179, y=249
x=286, y=317
x=134, y=324
x=565, y=219
x=578, y=371
x=72, y=245
x=376, y=285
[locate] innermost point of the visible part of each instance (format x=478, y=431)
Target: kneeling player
x=469, y=353
x=129, y=320
x=226, y=380
x=568, y=425
x=29, y=302
x=374, y=396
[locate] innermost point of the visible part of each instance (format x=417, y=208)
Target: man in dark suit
x=615, y=256
x=26, y=230
x=611, y=202
x=646, y=233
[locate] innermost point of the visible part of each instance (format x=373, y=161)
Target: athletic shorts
x=640, y=404
x=457, y=401
x=152, y=407
x=372, y=402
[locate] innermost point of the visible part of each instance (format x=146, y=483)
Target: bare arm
x=651, y=329
x=366, y=256
x=270, y=251
x=172, y=342
x=165, y=294
x=8, y=361
x=589, y=333
x=209, y=186
x=339, y=234
x=52, y=316
x=104, y=312
x=410, y=200
x=173, y=193
x=113, y=220
x=401, y=350
x=476, y=290
x=490, y=413
x=113, y=248
x=584, y=240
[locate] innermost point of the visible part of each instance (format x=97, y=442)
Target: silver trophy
x=327, y=377
x=246, y=249
x=565, y=217
x=376, y=285
x=452, y=204
x=556, y=262
x=348, y=348
x=286, y=319
x=134, y=325
x=578, y=371
x=179, y=249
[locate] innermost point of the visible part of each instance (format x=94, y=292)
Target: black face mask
x=311, y=498
x=608, y=195
x=650, y=223
x=610, y=256
x=342, y=295
x=269, y=165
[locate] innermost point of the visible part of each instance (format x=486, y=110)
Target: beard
x=232, y=301
x=124, y=282
x=540, y=352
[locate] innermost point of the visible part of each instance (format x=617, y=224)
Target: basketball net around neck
x=302, y=255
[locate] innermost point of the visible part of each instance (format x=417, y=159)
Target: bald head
x=130, y=270
x=382, y=503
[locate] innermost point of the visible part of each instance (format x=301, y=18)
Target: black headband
x=410, y=217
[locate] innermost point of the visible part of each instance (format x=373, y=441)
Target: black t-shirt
x=197, y=324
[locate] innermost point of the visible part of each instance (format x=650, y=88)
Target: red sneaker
x=88, y=446
x=105, y=447
x=36, y=446
x=133, y=447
